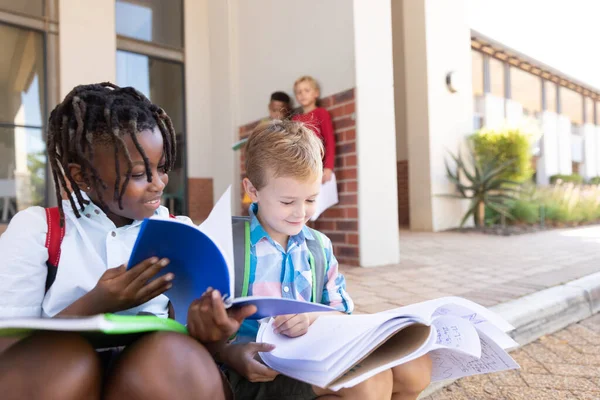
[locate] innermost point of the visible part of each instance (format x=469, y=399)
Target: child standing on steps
x=113, y=149
x=307, y=93
x=284, y=172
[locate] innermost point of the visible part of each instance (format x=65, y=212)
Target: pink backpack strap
x=54, y=238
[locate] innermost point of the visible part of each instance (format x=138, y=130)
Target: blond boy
x=284, y=172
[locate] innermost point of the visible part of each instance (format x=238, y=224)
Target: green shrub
x=505, y=146
x=573, y=178
x=525, y=211
x=595, y=180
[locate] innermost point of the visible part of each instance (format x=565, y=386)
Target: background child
x=113, y=148
x=307, y=94
x=284, y=168
x=280, y=106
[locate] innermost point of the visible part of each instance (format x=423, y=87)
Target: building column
x=376, y=134
x=565, y=150
x=547, y=163
x=87, y=43
x=197, y=104
x=436, y=42
x=589, y=151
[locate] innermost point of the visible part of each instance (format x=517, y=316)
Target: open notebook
x=461, y=337
x=202, y=257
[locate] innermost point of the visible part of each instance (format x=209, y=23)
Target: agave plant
x=483, y=185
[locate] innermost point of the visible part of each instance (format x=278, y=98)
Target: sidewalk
x=564, y=365
x=539, y=282
x=486, y=269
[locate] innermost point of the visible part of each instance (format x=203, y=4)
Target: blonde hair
x=287, y=148
x=309, y=79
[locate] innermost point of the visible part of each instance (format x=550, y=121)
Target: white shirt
x=91, y=245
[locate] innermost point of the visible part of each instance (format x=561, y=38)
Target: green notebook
x=105, y=330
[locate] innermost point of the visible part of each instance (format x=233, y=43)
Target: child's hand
x=244, y=359
x=208, y=321
x=120, y=289
x=327, y=174
x=292, y=325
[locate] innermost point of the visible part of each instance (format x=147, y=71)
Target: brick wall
x=403, y=210
x=200, y=198
x=339, y=223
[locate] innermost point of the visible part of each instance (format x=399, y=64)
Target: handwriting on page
x=469, y=315
x=456, y=333
x=453, y=365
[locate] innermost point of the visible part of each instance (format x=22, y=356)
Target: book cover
x=202, y=257
x=105, y=330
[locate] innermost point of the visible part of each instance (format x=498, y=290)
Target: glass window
x=162, y=82
x=589, y=110
x=21, y=77
x=22, y=170
x=34, y=8
x=526, y=89
x=156, y=21
x=22, y=114
x=496, y=77
x=550, y=88
x=477, y=60
x=571, y=105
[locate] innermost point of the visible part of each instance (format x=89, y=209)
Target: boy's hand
x=209, y=321
x=327, y=174
x=244, y=359
x=120, y=289
x=292, y=325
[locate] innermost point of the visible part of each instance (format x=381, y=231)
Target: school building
x=404, y=80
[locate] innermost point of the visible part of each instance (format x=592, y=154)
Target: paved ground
x=483, y=268
x=565, y=365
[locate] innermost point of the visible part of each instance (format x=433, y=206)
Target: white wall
x=547, y=164
x=563, y=127
x=399, y=80
x=223, y=95
x=279, y=41
x=376, y=134
x=436, y=42
x=597, y=150
x=514, y=112
x=87, y=43
x=590, y=161
x=491, y=108
x=197, y=89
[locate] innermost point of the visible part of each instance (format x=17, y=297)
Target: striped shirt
x=277, y=273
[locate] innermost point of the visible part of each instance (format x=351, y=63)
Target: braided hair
x=102, y=113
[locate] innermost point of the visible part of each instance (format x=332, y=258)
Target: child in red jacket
x=307, y=94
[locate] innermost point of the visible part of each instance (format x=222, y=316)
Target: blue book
x=202, y=257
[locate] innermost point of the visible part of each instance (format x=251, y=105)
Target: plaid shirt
x=276, y=273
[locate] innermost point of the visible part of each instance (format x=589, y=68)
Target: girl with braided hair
x=110, y=151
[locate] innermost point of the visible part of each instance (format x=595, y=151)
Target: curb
x=545, y=312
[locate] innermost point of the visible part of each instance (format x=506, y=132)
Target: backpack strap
x=241, y=256
x=318, y=260
x=54, y=238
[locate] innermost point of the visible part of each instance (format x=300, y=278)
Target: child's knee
x=412, y=377
x=165, y=365
x=45, y=364
x=376, y=387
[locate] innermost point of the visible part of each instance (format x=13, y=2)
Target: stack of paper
x=339, y=351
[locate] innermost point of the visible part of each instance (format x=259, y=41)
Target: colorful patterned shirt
x=277, y=273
